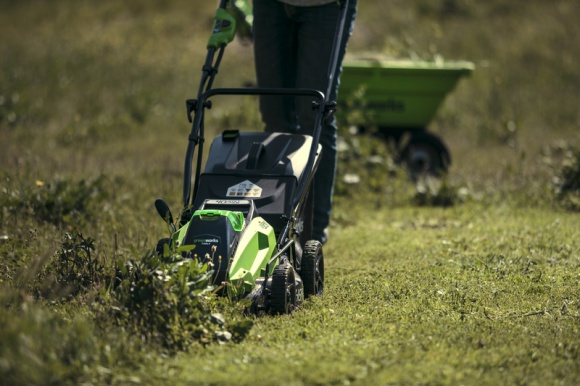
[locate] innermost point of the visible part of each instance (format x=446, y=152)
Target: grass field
x=472, y=279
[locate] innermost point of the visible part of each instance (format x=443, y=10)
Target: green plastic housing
x=235, y=218
x=397, y=93
x=224, y=29
x=255, y=248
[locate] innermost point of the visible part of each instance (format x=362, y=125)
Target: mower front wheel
x=283, y=295
x=312, y=271
x=160, y=247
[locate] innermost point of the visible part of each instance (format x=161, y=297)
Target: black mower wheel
x=283, y=289
x=312, y=271
x=160, y=246
x=425, y=154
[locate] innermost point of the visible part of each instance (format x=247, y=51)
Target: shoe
x=325, y=235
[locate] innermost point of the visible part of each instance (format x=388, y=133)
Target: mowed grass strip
x=489, y=299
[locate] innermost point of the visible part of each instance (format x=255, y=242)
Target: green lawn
x=461, y=296
x=483, y=290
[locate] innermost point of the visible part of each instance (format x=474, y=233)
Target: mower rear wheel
x=312, y=271
x=283, y=289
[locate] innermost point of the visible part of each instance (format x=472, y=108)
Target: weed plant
x=567, y=181
x=164, y=301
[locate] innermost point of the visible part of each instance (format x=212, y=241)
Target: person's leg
x=275, y=61
x=316, y=37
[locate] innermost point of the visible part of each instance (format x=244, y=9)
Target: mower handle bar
x=263, y=91
x=321, y=106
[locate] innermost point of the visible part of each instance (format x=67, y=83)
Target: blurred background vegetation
x=93, y=128
x=95, y=89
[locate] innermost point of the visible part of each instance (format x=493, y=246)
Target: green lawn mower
x=249, y=213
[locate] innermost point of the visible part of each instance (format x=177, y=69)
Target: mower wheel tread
x=283, y=293
x=312, y=268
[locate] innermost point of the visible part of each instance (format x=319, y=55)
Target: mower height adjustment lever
x=329, y=110
x=191, y=105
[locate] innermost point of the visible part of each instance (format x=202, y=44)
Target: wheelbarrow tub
x=397, y=93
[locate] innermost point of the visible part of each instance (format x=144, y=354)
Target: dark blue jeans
x=292, y=48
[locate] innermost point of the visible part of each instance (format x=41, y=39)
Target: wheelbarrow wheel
x=283, y=289
x=312, y=271
x=425, y=154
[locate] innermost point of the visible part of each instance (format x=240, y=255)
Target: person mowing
x=293, y=42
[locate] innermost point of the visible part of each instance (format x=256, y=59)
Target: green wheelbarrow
x=398, y=99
